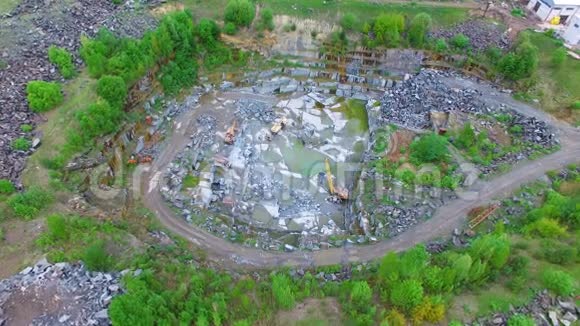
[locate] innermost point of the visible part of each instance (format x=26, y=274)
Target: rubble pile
x=257, y=110
x=58, y=294
x=411, y=104
x=545, y=309
x=482, y=34
x=25, y=35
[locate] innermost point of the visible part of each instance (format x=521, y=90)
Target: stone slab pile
x=58, y=294
x=482, y=34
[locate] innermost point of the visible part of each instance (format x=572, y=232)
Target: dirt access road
x=443, y=222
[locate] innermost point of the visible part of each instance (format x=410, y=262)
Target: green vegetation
x=21, y=144
x=112, y=89
x=559, y=282
x=521, y=320
x=63, y=60
x=26, y=127
x=388, y=29
x=349, y=22
x=460, y=42
x=230, y=28
x=240, y=12
x=28, y=204
x=420, y=26
x=266, y=20
x=430, y=148
x=522, y=62
x=6, y=187
x=43, y=96
x=96, y=257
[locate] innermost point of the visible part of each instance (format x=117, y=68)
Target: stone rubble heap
x=68, y=294
x=410, y=105
x=482, y=34
x=257, y=110
x=25, y=35
x=545, y=309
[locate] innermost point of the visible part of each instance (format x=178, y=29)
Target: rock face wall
x=57, y=294
x=25, y=35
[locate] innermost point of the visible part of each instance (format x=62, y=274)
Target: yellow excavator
x=338, y=192
x=278, y=126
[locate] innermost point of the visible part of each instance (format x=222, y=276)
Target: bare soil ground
x=18, y=249
x=311, y=312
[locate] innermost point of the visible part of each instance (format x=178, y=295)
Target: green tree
x=209, y=31
x=349, y=22
x=388, y=29
x=99, y=119
x=96, y=257
x=419, y=28
x=240, y=12
x=430, y=148
x=407, y=294
x=43, y=96
x=282, y=291
x=6, y=187
x=63, y=60
x=520, y=63
x=461, y=266
x=266, y=19
x=546, y=228
x=112, y=89
x=558, y=56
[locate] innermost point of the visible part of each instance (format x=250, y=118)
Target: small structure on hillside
x=571, y=34
x=555, y=11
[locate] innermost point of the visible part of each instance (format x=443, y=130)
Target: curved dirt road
x=446, y=218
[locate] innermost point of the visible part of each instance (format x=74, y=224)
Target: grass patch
x=190, y=181
x=6, y=6
x=79, y=92
x=558, y=85
x=364, y=10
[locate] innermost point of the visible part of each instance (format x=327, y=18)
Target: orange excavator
x=231, y=134
x=338, y=192
x=134, y=160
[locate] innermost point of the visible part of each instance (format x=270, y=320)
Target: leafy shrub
x=96, y=257
x=388, y=29
x=26, y=127
x=282, y=291
x=466, y=137
x=429, y=148
x=559, y=282
x=21, y=144
x=178, y=74
x=557, y=253
x=6, y=187
x=63, y=60
x=240, y=12
x=112, y=89
x=43, y=96
x=230, y=28
x=546, y=228
x=266, y=20
x=99, y=119
x=395, y=318
x=521, y=320
x=56, y=225
x=419, y=28
x=407, y=294
x=349, y=22
x=517, y=12
x=27, y=204
x=209, y=32
x=558, y=56
x=520, y=63
x=460, y=41
x=441, y=46
x=359, y=303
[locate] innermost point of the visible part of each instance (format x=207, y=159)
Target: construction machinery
x=231, y=134
x=338, y=192
x=278, y=126
x=134, y=159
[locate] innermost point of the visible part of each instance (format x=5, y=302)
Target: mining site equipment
x=278, y=126
x=483, y=215
x=338, y=192
x=231, y=134
x=222, y=161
